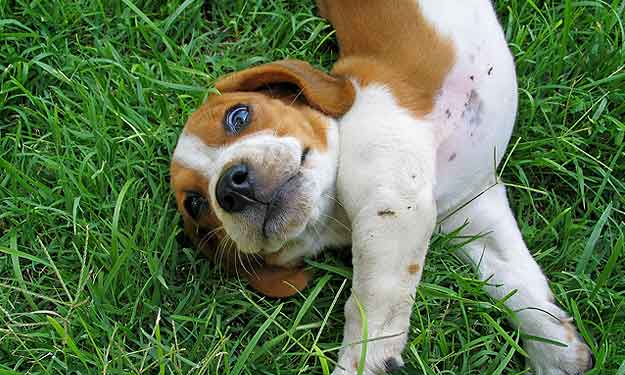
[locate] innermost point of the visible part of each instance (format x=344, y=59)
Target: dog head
x=254, y=169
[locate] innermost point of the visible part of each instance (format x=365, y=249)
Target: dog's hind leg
x=501, y=257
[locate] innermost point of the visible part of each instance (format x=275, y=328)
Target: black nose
x=235, y=190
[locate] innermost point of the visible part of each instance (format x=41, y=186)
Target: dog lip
x=271, y=205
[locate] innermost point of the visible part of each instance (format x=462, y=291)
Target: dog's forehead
x=193, y=153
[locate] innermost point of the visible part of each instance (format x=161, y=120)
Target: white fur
x=389, y=160
x=191, y=152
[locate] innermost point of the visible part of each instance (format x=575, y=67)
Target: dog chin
x=283, y=220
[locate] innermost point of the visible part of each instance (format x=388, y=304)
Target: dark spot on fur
x=490, y=70
x=452, y=157
x=410, y=207
x=472, y=78
x=414, y=268
x=391, y=365
x=473, y=97
x=386, y=212
x=414, y=176
x=448, y=113
x=473, y=108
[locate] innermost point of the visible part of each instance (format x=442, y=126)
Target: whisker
x=338, y=222
x=247, y=257
x=333, y=198
x=240, y=260
x=204, y=240
x=221, y=250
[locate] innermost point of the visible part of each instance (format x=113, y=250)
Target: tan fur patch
x=390, y=42
x=414, y=268
x=570, y=331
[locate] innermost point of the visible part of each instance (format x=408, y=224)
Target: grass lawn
x=93, y=95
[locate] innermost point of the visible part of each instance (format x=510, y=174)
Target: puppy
x=406, y=133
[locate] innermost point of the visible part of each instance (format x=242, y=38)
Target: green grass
x=93, y=95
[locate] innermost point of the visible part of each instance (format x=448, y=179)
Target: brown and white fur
x=408, y=131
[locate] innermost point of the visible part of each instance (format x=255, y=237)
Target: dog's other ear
x=278, y=282
x=331, y=95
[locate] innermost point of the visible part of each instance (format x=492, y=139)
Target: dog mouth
x=277, y=209
x=277, y=216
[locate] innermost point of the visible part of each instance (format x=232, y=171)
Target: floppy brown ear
x=278, y=282
x=331, y=95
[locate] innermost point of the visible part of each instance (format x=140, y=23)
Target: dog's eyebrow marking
x=193, y=153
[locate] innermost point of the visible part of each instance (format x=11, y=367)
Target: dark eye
x=195, y=204
x=237, y=118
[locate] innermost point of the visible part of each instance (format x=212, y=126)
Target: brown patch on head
x=288, y=98
x=414, y=268
x=267, y=114
x=391, y=42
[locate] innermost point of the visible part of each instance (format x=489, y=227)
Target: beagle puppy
x=403, y=139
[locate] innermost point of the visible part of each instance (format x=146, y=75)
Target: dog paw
x=387, y=335
x=392, y=365
x=573, y=359
x=389, y=366
x=383, y=357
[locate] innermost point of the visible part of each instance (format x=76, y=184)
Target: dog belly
x=475, y=110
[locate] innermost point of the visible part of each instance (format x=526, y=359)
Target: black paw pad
x=391, y=365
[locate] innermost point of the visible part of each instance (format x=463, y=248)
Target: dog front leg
x=389, y=199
